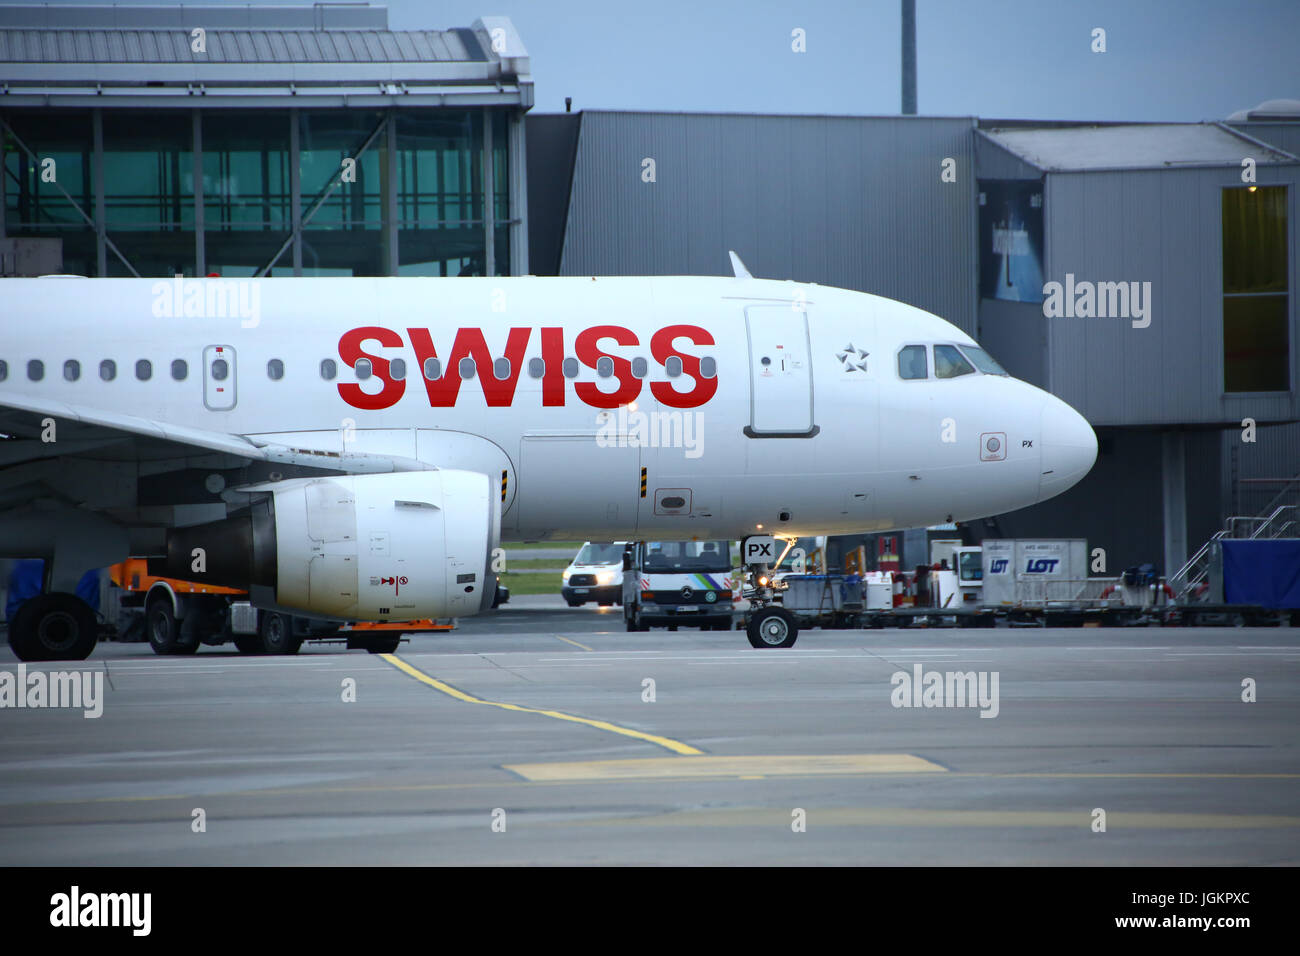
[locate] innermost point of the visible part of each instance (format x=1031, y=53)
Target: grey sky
x=1031, y=59
x=1170, y=60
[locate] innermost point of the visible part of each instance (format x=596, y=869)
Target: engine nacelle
x=391, y=547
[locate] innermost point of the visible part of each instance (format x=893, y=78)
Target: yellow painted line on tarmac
x=744, y=767
x=574, y=643
x=911, y=817
x=676, y=746
x=299, y=791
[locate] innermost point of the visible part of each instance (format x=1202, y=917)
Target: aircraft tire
x=53, y=627
x=772, y=627
x=164, y=631
x=277, y=635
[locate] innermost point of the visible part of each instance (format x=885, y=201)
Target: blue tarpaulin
x=25, y=582
x=1265, y=573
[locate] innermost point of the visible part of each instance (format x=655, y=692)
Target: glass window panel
x=1255, y=344
x=911, y=362
x=950, y=363
x=1254, y=240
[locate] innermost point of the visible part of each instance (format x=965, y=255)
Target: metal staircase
x=1280, y=518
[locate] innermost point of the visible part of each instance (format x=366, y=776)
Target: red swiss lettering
x=585, y=347
x=553, y=376
x=350, y=352
x=662, y=348
x=443, y=391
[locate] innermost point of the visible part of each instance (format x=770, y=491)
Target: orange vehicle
x=178, y=616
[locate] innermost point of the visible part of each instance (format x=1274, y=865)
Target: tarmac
x=544, y=735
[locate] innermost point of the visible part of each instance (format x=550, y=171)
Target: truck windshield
x=676, y=556
x=600, y=552
x=971, y=566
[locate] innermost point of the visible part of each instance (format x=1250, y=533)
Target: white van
x=596, y=574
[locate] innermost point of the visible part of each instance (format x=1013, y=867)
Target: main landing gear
x=55, y=626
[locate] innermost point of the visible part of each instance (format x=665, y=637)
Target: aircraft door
x=780, y=372
x=219, y=377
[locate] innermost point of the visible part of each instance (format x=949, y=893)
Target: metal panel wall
x=854, y=202
x=1282, y=135
x=1015, y=333
x=994, y=162
x=1162, y=227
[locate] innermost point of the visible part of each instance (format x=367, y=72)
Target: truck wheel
x=164, y=632
x=772, y=627
x=53, y=627
x=277, y=634
x=384, y=645
x=248, y=643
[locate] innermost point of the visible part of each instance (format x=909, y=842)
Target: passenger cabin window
x=570, y=368
x=536, y=368
x=950, y=363
x=709, y=367
x=673, y=366
x=71, y=370
x=180, y=369
x=604, y=366
x=911, y=362
x=397, y=369
x=467, y=368
x=35, y=370
x=4, y=370
x=363, y=368
x=432, y=369
x=275, y=370
x=108, y=370
x=640, y=367
x=220, y=369
x=501, y=369
x=328, y=369
x=144, y=370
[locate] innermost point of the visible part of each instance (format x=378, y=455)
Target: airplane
x=357, y=448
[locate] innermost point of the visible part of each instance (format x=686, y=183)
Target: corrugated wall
x=1161, y=226
x=1282, y=135
x=853, y=202
x=1015, y=333
x=994, y=162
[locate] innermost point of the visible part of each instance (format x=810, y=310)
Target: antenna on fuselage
x=738, y=267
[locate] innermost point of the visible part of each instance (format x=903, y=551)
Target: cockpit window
x=949, y=363
x=911, y=362
x=983, y=361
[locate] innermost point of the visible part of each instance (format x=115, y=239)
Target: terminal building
x=1145, y=273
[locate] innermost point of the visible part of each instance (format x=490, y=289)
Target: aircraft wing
x=80, y=430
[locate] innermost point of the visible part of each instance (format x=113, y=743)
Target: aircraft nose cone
x=1068, y=448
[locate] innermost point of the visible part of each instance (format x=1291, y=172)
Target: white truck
x=680, y=584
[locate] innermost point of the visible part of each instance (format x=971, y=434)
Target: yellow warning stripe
x=675, y=746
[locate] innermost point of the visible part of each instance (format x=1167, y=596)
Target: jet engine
x=390, y=547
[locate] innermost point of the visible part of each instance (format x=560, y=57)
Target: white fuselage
x=804, y=415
